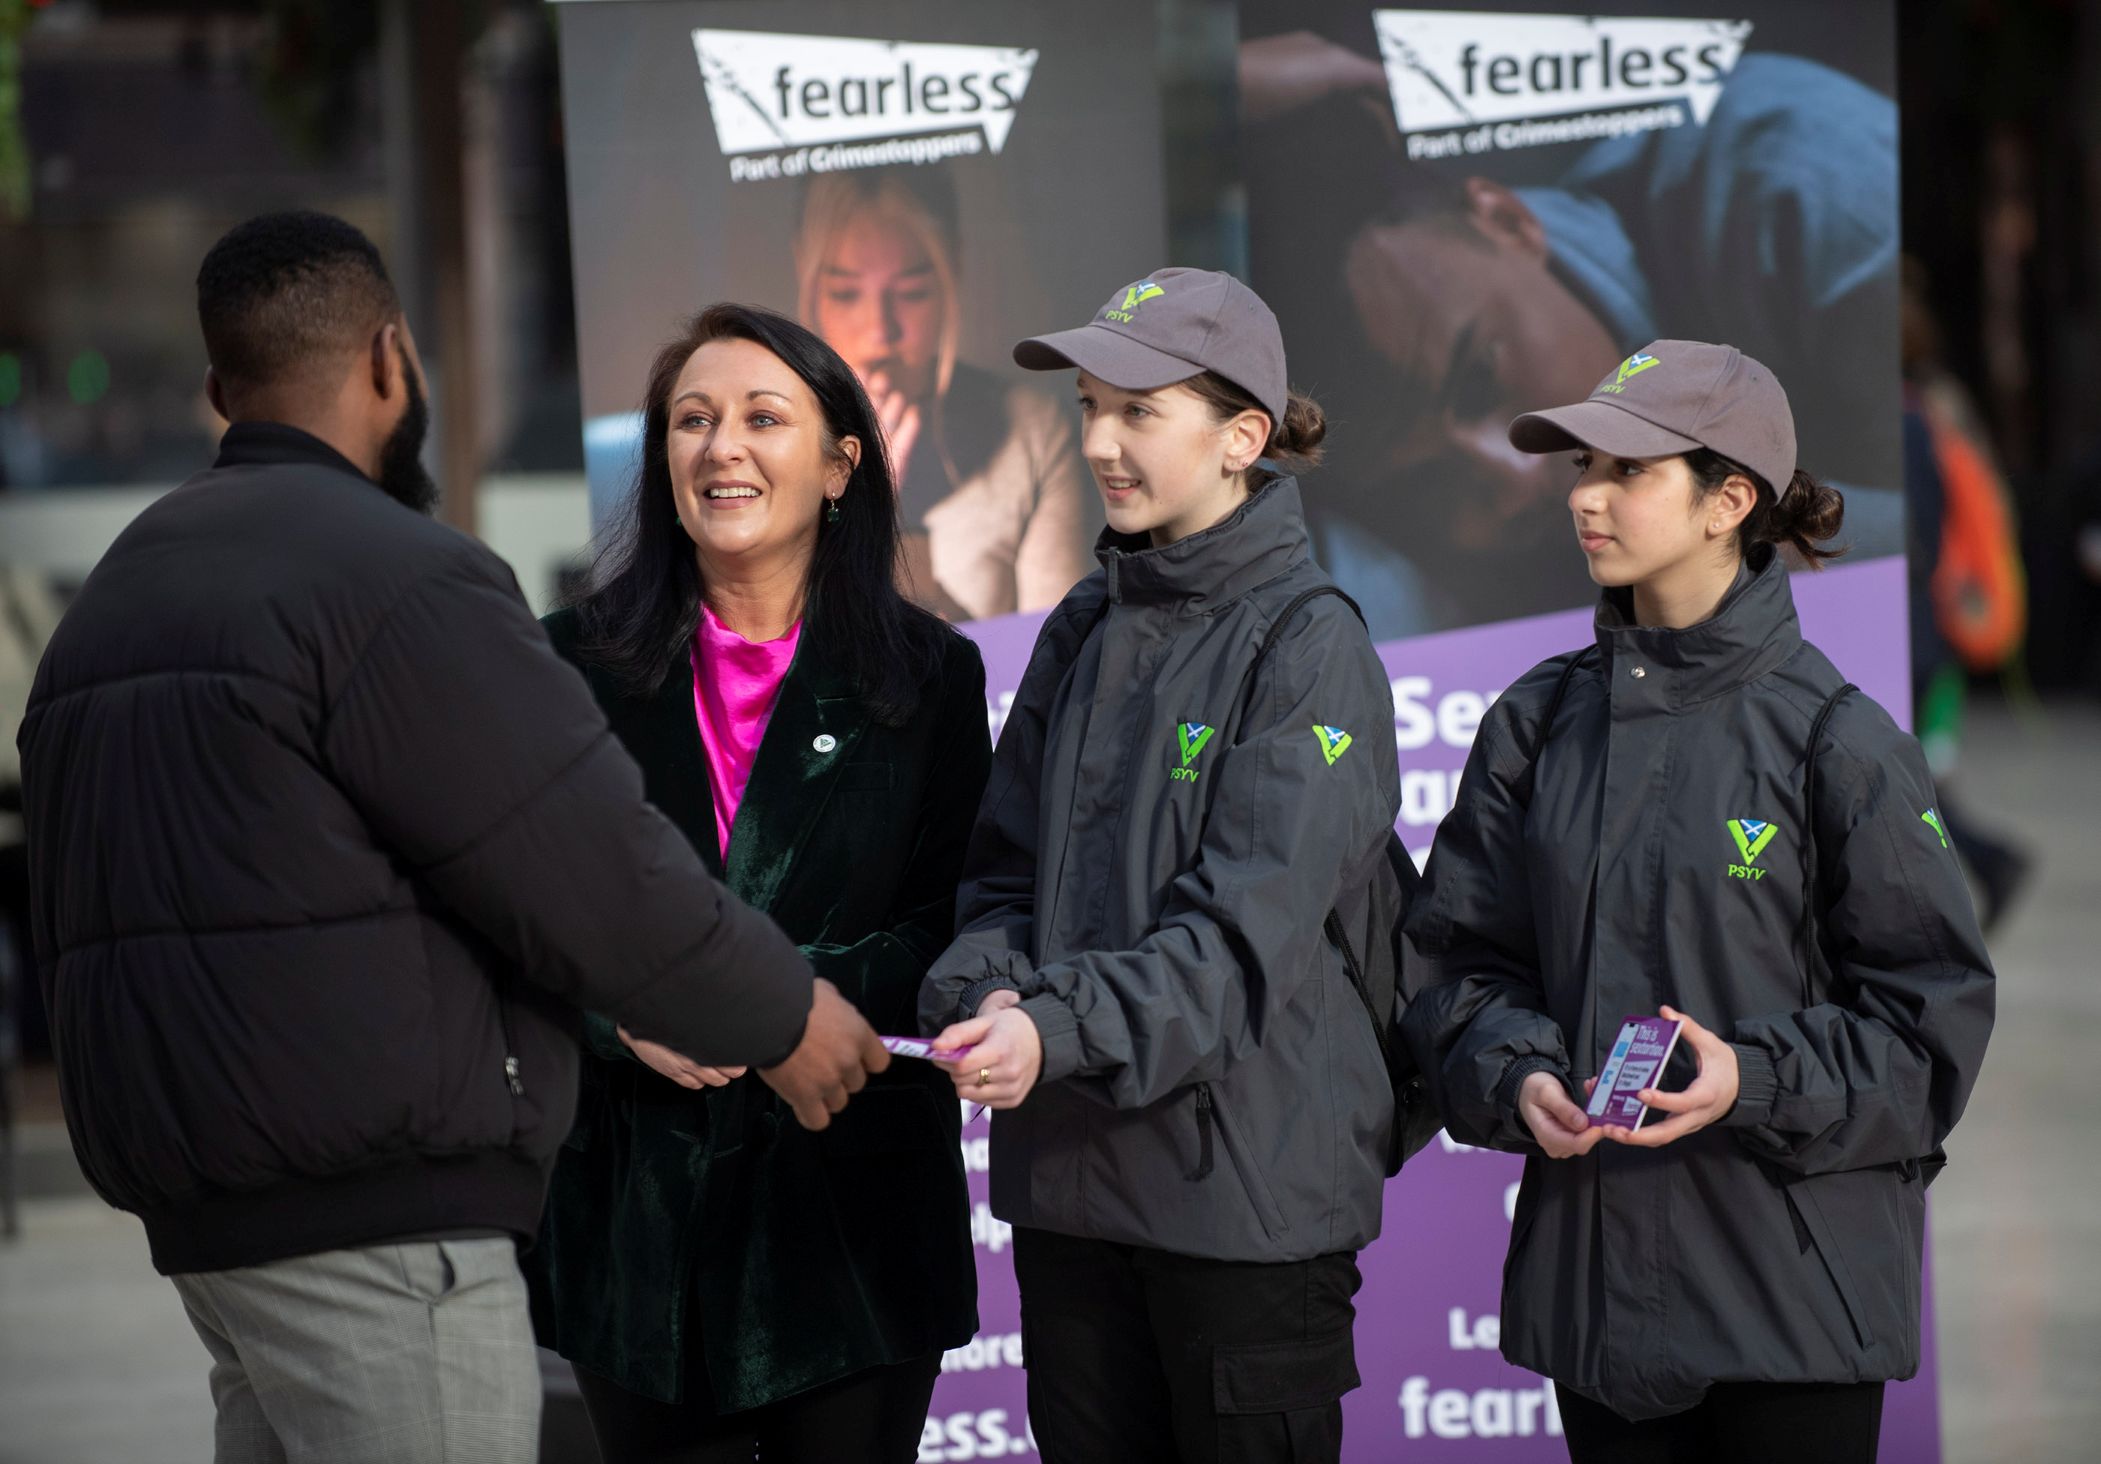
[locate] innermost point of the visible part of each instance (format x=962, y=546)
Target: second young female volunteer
x=1695, y=818
x=1194, y=1114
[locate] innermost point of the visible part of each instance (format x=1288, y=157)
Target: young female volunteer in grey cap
x=1695, y=818
x=1193, y=1112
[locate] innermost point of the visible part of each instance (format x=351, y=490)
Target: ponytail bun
x=1809, y=514
x=1296, y=441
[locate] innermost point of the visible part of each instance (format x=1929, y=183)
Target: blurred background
x=133, y=133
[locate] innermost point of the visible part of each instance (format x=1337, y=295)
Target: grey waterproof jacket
x=1655, y=854
x=1166, y=828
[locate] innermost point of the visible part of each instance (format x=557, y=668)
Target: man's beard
x=401, y=473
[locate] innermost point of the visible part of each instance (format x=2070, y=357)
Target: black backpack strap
x=1333, y=925
x=1805, y=928
x=1276, y=627
x=1525, y=779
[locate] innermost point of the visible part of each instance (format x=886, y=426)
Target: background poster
x=1464, y=215
x=1433, y=279
x=906, y=179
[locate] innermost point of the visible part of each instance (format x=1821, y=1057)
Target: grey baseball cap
x=1168, y=327
x=1672, y=397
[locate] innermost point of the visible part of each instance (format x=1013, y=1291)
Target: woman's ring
x=984, y=1077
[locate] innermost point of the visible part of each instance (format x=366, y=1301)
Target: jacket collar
x=272, y=444
x=1262, y=539
x=1753, y=631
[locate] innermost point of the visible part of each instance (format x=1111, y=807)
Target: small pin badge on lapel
x=825, y=742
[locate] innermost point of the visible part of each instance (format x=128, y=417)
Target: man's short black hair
x=284, y=293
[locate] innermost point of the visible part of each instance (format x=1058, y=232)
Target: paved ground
x=98, y=1365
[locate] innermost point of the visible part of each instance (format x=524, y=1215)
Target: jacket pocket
x=1808, y=1218
x=1282, y=1377
x=1242, y=1160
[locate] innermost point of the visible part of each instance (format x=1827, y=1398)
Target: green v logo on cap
x=1193, y=736
x=1752, y=835
x=1139, y=293
x=1632, y=367
x=1932, y=817
x=1334, y=742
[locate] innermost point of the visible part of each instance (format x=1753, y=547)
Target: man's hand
x=682, y=1071
x=1558, y=1125
x=832, y=1062
x=1709, y=1098
x=999, y=1052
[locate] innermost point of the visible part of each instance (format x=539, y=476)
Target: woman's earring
x=831, y=510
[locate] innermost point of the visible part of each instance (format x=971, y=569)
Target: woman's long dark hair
x=644, y=600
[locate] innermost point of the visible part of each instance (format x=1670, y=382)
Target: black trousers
x=1139, y=1354
x=876, y=1416
x=1736, y=1423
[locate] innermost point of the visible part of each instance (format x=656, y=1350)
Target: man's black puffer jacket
x=325, y=843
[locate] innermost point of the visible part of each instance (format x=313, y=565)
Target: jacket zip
x=511, y=1076
x=1203, y=1132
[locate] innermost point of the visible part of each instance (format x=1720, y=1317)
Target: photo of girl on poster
x=1434, y=301
x=996, y=511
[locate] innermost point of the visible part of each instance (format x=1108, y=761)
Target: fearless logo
x=1465, y=81
x=785, y=106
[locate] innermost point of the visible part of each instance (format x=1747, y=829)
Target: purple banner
x=1435, y=1386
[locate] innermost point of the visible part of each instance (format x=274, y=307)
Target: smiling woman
x=823, y=745
x=745, y=398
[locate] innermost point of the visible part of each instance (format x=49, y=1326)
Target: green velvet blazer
x=800, y=1257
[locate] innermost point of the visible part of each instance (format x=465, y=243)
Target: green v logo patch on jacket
x=1192, y=736
x=1751, y=836
x=1932, y=818
x=1334, y=742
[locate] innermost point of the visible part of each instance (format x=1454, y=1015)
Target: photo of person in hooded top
x=1697, y=818
x=1434, y=302
x=1192, y=1114
x=992, y=496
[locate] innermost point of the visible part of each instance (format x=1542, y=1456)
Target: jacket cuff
x=1514, y=1080
x=602, y=1039
x=802, y=1026
x=975, y=993
x=1757, y=1085
x=1060, y=1032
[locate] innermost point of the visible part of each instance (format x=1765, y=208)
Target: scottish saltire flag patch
x=1334, y=742
x=1192, y=736
x=1752, y=835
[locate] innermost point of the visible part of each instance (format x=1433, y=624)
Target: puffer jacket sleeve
x=1234, y=941
x=1476, y=1020
x=480, y=760
x=1879, y=1072
x=996, y=903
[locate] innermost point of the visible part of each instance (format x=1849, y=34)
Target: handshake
x=832, y=1062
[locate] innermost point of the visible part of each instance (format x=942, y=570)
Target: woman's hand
x=1709, y=1098
x=1558, y=1125
x=685, y=1073
x=1005, y=1053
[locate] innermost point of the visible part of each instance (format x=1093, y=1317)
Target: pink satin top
x=736, y=683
